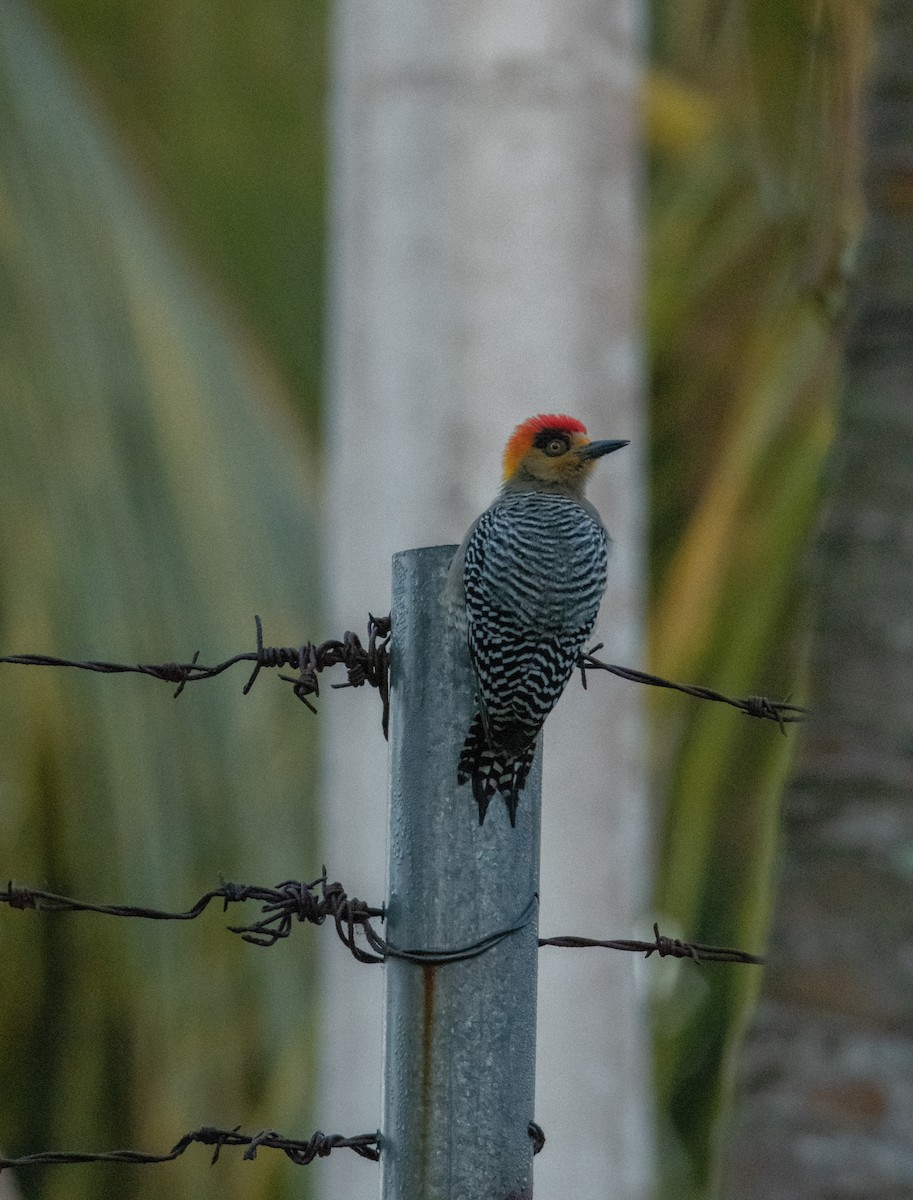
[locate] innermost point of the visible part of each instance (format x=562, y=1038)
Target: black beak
x=597, y=449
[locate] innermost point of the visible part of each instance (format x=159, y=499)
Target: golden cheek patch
x=556, y=470
x=516, y=450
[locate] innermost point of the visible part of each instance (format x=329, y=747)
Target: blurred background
x=163, y=473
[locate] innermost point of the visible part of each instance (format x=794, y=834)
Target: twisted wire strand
x=319, y=1145
x=370, y=665
x=319, y=900
x=782, y=712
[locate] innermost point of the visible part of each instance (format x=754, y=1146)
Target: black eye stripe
x=544, y=439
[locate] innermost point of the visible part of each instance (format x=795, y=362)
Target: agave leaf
x=749, y=237
x=226, y=119
x=154, y=493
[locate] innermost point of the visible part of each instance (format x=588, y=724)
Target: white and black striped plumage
x=533, y=574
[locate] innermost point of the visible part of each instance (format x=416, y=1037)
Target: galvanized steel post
x=459, y=1038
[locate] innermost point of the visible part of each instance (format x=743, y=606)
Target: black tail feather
x=493, y=770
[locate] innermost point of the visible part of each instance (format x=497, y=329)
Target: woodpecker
x=531, y=572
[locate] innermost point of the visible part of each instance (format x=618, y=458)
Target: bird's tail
x=491, y=770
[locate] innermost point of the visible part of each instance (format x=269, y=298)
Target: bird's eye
x=555, y=447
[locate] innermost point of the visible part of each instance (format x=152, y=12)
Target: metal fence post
x=459, y=1038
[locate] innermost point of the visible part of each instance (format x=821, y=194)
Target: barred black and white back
x=533, y=573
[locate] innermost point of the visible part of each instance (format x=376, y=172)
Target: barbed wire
x=282, y=906
x=319, y=901
x=319, y=1145
x=364, y=664
x=301, y=1153
x=371, y=665
x=665, y=947
x=782, y=712
x=293, y=901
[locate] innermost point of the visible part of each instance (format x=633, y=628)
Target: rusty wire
x=364, y=664
x=665, y=947
x=319, y=1145
x=301, y=1153
x=371, y=665
x=282, y=906
x=292, y=901
x=782, y=712
x=537, y=1134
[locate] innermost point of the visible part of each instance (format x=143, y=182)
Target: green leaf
x=751, y=226
x=155, y=493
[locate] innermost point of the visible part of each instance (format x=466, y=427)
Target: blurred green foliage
x=223, y=111
x=155, y=492
x=753, y=120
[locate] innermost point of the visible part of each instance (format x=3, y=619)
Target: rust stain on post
x=459, y=1035
x=429, y=979
x=429, y=983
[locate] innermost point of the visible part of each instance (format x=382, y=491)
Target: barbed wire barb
x=302, y=1153
x=363, y=665
x=665, y=947
x=294, y=902
x=371, y=665
x=782, y=712
x=319, y=1145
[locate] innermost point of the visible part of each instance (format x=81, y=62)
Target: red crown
x=522, y=437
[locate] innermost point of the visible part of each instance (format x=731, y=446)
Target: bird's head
x=551, y=452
